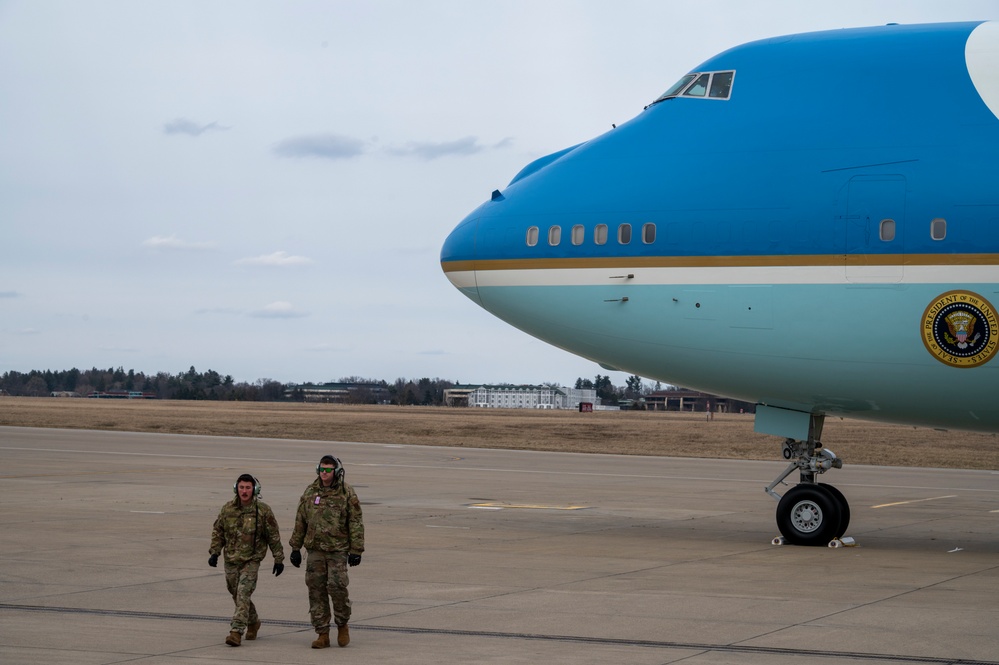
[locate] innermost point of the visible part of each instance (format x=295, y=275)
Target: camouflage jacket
x=246, y=532
x=329, y=519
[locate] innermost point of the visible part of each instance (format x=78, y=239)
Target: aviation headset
x=338, y=471
x=247, y=478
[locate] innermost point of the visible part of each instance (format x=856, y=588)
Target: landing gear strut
x=810, y=513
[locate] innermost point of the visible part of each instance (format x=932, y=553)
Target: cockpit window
x=703, y=85
x=699, y=87
x=721, y=85
x=677, y=87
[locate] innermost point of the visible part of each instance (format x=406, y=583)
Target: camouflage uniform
x=245, y=532
x=329, y=523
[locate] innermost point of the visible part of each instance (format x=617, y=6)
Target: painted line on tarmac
x=502, y=506
x=809, y=654
x=903, y=503
x=115, y=472
x=507, y=470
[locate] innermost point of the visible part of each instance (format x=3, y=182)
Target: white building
x=526, y=397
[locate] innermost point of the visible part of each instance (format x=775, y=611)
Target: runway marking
x=111, y=472
x=149, y=512
x=902, y=503
x=810, y=655
x=441, y=526
x=436, y=467
x=527, y=506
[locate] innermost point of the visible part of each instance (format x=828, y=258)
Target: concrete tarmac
x=489, y=556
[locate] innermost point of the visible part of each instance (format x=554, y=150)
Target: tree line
x=211, y=385
x=191, y=384
x=633, y=388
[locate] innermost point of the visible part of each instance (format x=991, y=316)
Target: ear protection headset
x=338, y=471
x=247, y=478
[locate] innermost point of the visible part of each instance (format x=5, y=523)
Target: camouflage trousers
x=241, y=580
x=326, y=578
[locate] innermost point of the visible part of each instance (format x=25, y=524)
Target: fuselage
x=815, y=228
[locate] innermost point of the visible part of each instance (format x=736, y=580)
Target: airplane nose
x=458, y=257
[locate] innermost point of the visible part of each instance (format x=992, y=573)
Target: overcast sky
x=263, y=188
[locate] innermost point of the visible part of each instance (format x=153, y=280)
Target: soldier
x=328, y=522
x=245, y=528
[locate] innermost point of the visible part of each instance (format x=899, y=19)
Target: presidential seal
x=960, y=329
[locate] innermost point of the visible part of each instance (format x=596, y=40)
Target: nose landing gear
x=810, y=513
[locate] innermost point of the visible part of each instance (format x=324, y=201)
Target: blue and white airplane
x=809, y=222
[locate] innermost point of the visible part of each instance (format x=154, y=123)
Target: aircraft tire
x=844, y=510
x=809, y=514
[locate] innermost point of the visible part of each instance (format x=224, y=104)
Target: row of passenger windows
x=938, y=229
x=600, y=234
x=577, y=235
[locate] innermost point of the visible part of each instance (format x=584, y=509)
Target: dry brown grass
x=621, y=432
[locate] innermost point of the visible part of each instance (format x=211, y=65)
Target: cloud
x=218, y=310
x=278, y=310
x=324, y=146
x=428, y=150
x=189, y=127
x=9, y=294
x=326, y=347
x=175, y=243
x=279, y=258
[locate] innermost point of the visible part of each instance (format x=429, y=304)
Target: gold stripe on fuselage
x=800, y=260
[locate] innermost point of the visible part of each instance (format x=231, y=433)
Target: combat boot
x=342, y=635
x=251, y=630
x=322, y=642
x=233, y=639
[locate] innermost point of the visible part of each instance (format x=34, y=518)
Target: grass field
x=622, y=432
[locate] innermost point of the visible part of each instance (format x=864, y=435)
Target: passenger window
x=624, y=234
x=578, y=232
x=699, y=88
x=600, y=234
x=554, y=235
x=938, y=229
x=649, y=233
x=532, y=236
x=887, y=231
x=721, y=85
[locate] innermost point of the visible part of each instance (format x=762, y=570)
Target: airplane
x=808, y=222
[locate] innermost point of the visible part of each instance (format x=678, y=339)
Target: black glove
x=278, y=568
x=296, y=558
x=213, y=560
x=353, y=559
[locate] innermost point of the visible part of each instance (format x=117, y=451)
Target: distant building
x=64, y=393
x=121, y=394
x=680, y=399
x=518, y=397
x=340, y=393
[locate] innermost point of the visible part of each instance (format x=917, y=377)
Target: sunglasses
x=326, y=469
